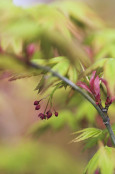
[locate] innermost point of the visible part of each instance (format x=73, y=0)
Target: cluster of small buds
x=94, y=89
x=47, y=115
x=44, y=116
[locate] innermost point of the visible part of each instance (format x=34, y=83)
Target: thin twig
x=105, y=119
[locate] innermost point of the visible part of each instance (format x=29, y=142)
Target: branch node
x=106, y=120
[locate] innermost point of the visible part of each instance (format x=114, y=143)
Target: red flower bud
x=37, y=107
x=49, y=114
x=42, y=116
x=39, y=115
x=108, y=101
x=36, y=102
x=56, y=114
x=30, y=49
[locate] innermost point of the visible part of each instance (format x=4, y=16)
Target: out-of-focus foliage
x=103, y=160
x=63, y=33
x=109, y=73
x=72, y=40
x=81, y=14
x=102, y=42
x=34, y=158
x=66, y=118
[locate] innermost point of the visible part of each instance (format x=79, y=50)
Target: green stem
x=75, y=87
x=47, y=105
x=111, y=133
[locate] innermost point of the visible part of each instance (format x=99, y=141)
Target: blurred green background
x=27, y=144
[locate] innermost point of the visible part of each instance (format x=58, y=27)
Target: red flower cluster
x=46, y=115
x=94, y=89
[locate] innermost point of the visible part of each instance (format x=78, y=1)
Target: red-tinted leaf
x=92, y=81
x=40, y=84
x=97, y=98
x=97, y=86
x=84, y=86
x=113, y=98
x=106, y=85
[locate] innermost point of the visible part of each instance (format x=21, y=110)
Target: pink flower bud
x=30, y=49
